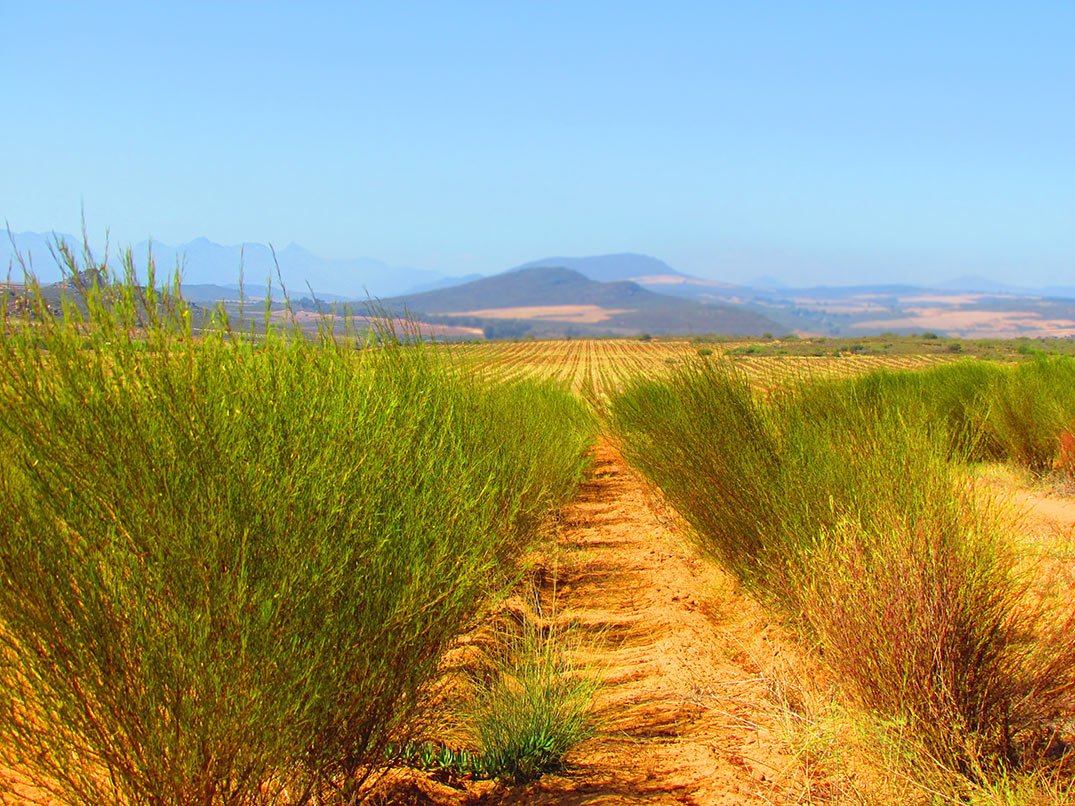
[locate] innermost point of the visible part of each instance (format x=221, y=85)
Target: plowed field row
x=597, y=369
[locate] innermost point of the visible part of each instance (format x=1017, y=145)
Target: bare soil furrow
x=683, y=710
x=686, y=711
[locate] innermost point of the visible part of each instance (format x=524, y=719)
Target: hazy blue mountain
x=767, y=283
x=1059, y=291
x=648, y=272
x=211, y=269
x=207, y=293
x=206, y=263
x=609, y=268
x=845, y=291
x=34, y=248
x=982, y=285
x=524, y=287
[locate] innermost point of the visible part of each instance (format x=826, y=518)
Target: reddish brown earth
x=693, y=677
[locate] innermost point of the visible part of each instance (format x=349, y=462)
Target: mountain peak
x=554, y=299
x=609, y=268
x=295, y=250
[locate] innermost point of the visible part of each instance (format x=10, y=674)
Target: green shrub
x=890, y=562
x=840, y=503
x=230, y=566
x=955, y=397
x=533, y=707
x=1029, y=407
x=709, y=444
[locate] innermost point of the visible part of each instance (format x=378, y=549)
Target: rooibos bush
x=1029, y=408
x=840, y=503
x=230, y=566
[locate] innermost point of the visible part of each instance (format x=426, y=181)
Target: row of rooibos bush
x=229, y=566
x=844, y=504
x=1022, y=413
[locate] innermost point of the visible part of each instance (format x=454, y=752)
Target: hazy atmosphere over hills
x=609, y=268
x=720, y=153
x=619, y=294
x=203, y=262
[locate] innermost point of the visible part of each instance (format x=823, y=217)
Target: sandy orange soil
x=1051, y=513
x=690, y=695
x=1046, y=525
x=1044, y=513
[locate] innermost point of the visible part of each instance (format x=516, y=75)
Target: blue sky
x=813, y=142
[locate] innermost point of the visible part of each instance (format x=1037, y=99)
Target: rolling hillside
x=649, y=272
x=554, y=300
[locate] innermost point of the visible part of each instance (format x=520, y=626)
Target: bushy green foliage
x=840, y=503
x=532, y=707
x=229, y=565
x=953, y=397
x=705, y=439
x=887, y=558
x=1029, y=407
x=989, y=411
x=528, y=705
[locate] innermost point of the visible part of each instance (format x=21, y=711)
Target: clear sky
x=808, y=141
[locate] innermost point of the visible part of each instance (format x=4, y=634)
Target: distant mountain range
x=210, y=264
x=985, y=285
x=621, y=294
x=648, y=272
x=553, y=300
x=610, y=268
x=204, y=263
